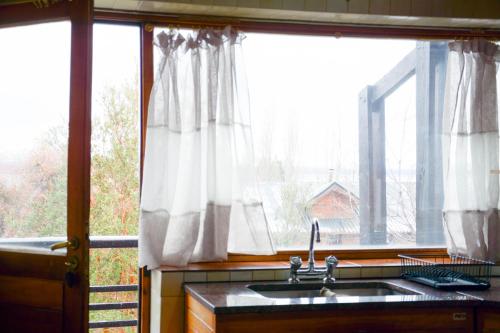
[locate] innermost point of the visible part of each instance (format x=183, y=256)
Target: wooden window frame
x=27, y=13
x=149, y=21
x=146, y=81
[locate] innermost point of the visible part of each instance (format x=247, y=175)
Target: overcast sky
x=305, y=87
x=312, y=84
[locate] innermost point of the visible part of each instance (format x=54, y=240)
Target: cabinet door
x=442, y=320
x=488, y=320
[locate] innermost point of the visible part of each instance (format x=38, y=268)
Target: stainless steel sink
x=283, y=290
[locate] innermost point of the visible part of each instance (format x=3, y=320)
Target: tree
x=46, y=176
x=287, y=216
x=115, y=163
x=114, y=204
x=33, y=204
x=4, y=207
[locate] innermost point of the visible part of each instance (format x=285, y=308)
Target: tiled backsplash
x=167, y=294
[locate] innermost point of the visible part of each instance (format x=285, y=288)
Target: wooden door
x=46, y=195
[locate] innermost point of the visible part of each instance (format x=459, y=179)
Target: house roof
x=348, y=225
x=331, y=186
x=339, y=226
x=333, y=201
x=351, y=226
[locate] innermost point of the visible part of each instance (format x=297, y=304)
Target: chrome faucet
x=314, y=234
x=296, y=273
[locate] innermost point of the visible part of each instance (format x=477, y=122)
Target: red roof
x=334, y=202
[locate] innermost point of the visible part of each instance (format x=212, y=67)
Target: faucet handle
x=331, y=263
x=295, y=264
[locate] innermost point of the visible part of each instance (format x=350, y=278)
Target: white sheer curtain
x=199, y=196
x=470, y=148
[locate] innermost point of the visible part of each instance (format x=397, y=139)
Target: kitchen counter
x=490, y=297
x=235, y=297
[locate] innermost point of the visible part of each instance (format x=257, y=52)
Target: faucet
x=296, y=272
x=314, y=234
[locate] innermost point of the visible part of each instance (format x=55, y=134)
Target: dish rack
x=451, y=272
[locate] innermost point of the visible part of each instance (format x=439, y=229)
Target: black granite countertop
x=489, y=297
x=235, y=297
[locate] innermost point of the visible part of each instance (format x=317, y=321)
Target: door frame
x=76, y=299
x=52, y=266
x=147, y=80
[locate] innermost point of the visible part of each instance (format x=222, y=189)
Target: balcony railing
x=114, y=242
x=96, y=242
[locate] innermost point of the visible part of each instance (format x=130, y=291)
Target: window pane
x=401, y=163
x=115, y=164
x=34, y=104
x=305, y=95
x=115, y=130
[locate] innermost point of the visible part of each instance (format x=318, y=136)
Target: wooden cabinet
x=488, y=320
x=199, y=319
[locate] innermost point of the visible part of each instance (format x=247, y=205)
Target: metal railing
x=113, y=242
x=96, y=242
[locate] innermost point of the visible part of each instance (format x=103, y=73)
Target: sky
x=312, y=84
x=34, y=84
x=304, y=96
x=311, y=81
x=34, y=89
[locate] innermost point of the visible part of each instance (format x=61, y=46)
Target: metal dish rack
x=447, y=272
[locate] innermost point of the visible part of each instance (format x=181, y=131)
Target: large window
x=346, y=131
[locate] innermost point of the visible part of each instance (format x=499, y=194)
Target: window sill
x=347, y=258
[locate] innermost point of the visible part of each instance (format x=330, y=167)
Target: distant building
x=337, y=211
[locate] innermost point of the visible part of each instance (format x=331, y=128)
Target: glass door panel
x=34, y=111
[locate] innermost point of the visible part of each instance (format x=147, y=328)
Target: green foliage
x=47, y=216
x=5, y=202
x=293, y=232
x=115, y=196
x=115, y=164
x=35, y=204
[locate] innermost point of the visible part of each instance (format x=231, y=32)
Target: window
x=114, y=203
x=347, y=131
x=34, y=115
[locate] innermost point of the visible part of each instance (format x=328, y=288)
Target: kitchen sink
x=341, y=289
